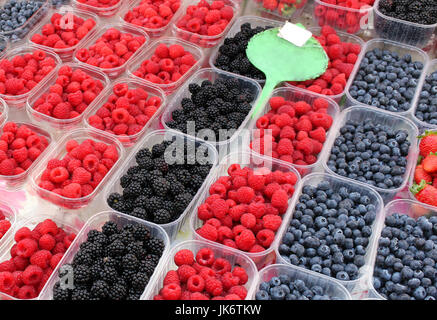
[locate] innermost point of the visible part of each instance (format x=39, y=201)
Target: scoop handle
x=269, y=86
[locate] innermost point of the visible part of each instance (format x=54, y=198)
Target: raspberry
x=241, y=274
x=272, y=222
x=195, y=283
x=72, y=191
x=321, y=120
x=239, y=291
x=171, y=292
x=26, y=248
x=41, y=258
x=205, y=257
x=208, y=232
x=184, y=256
x=318, y=134
x=176, y=51
x=48, y=226
x=219, y=208
x=248, y=220
x=245, y=194
x=245, y=240
x=46, y=242
x=171, y=277
x=279, y=199
x=185, y=272
x=221, y=266
x=213, y=286
x=7, y=282
x=59, y=175
x=229, y=280
x=27, y=292
x=7, y=266
x=32, y=275
x=265, y=237
x=22, y=233
x=7, y=167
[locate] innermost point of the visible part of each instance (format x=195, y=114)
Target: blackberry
x=153, y=204
x=134, y=294
x=161, y=165
x=158, y=150
x=133, y=170
x=136, y=248
x=161, y=216
x=183, y=176
x=145, y=163
x=147, y=267
x=193, y=88
x=83, y=257
x=140, y=201
x=114, y=198
x=133, y=190
x=109, y=274
x=59, y=293
x=130, y=262
x=177, y=188
x=140, y=281
x=109, y=228
x=116, y=248
x=120, y=207
x=143, y=153
x=155, y=246
x=141, y=233
x=183, y=200
x=196, y=182
x=128, y=274
x=153, y=258
x=153, y=175
x=80, y=294
x=100, y=289
x=160, y=186
x=109, y=262
x=139, y=213
x=118, y=291
x=81, y=274
x=95, y=271
x=127, y=237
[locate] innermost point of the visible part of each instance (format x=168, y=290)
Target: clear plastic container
x=238, y=139
x=220, y=251
x=16, y=181
x=297, y=94
x=336, y=183
x=10, y=214
x=411, y=33
x=360, y=113
x=58, y=151
x=19, y=101
x=253, y=161
x=342, y=18
x=70, y=224
x=175, y=227
x=413, y=209
x=22, y=31
x=430, y=68
x=291, y=13
x=4, y=45
x=236, y=27
x=112, y=73
x=96, y=223
x=128, y=5
x=102, y=98
x=401, y=49
x=66, y=54
x=333, y=288
x=105, y=12
x=197, y=53
x=4, y=110
x=344, y=37
x=61, y=124
x=202, y=41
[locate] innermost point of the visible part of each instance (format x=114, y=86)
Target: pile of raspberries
x=245, y=208
x=20, y=146
x=5, y=224
x=34, y=256
x=152, y=14
x=203, y=277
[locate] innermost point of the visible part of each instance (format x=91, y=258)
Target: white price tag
x=294, y=34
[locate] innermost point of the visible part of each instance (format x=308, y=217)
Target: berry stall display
x=426, y=109
x=63, y=31
x=167, y=65
x=152, y=15
x=203, y=276
x=342, y=54
x=219, y=105
x=33, y=257
x=70, y=95
x=282, y=8
x=158, y=191
x=232, y=56
x=204, y=22
x=387, y=79
x=331, y=227
x=293, y=130
x=349, y=15
x=424, y=186
x=78, y=173
x=115, y=263
x=406, y=261
x=20, y=146
x=5, y=224
x=244, y=209
x=125, y=109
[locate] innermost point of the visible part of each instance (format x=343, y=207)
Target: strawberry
x=428, y=143
x=430, y=163
x=420, y=174
x=425, y=193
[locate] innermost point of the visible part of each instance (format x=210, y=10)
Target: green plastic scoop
x=280, y=60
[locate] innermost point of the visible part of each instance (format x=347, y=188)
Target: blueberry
x=262, y=295
x=277, y=293
x=274, y=282
x=419, y=293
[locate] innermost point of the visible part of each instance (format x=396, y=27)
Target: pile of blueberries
x=15, y=13
x=386, y=81
x=427, y=105
x=284, y=288
x=370, y=152
x=406, y=262
x=329, y=231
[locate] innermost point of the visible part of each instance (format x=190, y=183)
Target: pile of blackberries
x=329, y=231
x=221, y=106
x=427, y=105
x=406, y=262
x=232, y=53
x=159, y=190
x=370, y=152
x=113, y=264
x=283, y=288
x=386, y=81
x=417, y=11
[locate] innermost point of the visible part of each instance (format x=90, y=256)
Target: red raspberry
x=22, y=234
x=47, y=242
x=7, y=282
x=219, y=208
x=72, y=191
x=205, y=257
x=213, y=286
x=245, y=194
x=208, y=232
x=185, y=271
x=32, y=275
x=241, y=274
x=279, y=199
x=265, y=237
x=221, y=266
x=41, y=258
x=7, y=167
x=245, y=240
x=248, y=220
x=239, y=291
x=184, y=256
x=229, y=280
x=27, y=292
x=171, y=292
x=196, y=283
x=48, y=226
x=318, y=134
x=171, y=277
x=7, y=266
x=272, y=222
x=26, y=248
x=256, y=181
